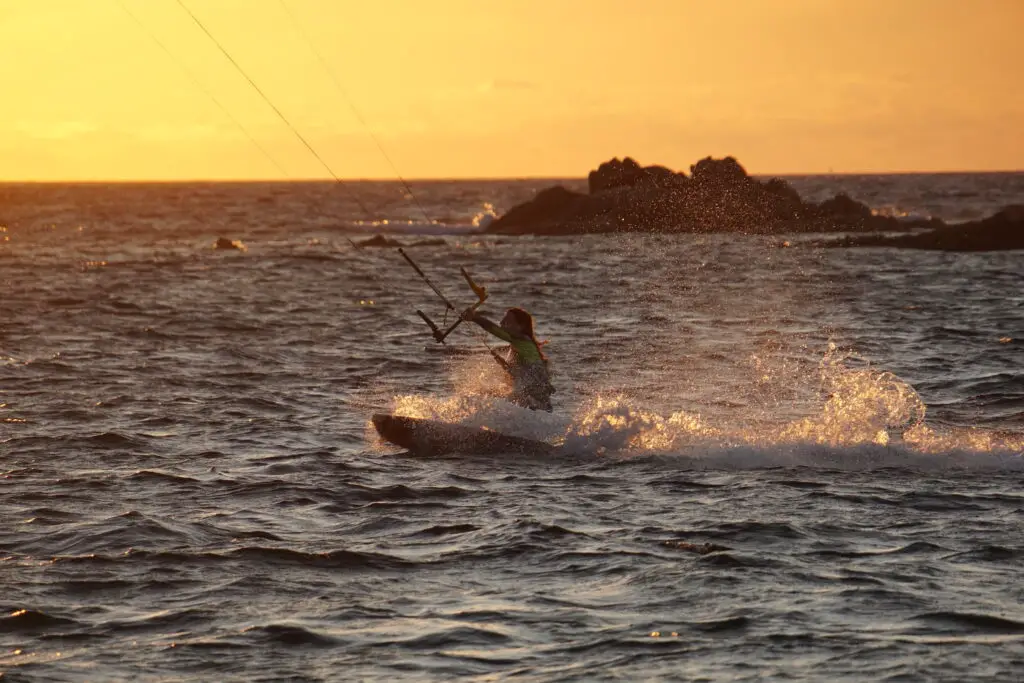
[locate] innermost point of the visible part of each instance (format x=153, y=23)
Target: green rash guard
x=528, y=370
x=526, y=351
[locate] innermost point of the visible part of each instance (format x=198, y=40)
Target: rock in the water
x=842, y=206
x=718, y=196
x=549, y=209
x=628, y=173
x=720, y=173
x=1002, y=231
x=225, y=243
x=379, y=240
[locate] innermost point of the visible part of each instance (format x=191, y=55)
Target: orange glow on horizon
x=461, y=89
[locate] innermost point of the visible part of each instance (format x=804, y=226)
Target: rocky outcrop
x=614, y=174
x=1002, y=231
x=552, y=206
x=717, y=196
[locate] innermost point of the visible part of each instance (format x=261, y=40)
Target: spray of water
x=484, y=217
x=858, y=406
x=860, y=414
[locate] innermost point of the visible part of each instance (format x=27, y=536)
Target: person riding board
x=527, y=367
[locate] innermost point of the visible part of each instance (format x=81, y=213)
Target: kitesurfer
x=527, y=366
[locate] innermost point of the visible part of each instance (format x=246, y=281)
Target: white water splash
x=864, y=418
x=484, y=217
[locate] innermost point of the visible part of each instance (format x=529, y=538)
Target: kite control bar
x=439, y=334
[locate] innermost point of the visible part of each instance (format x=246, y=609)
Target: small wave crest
x=484, y=217
x=288, y=634
x=26, y=621
x=412, y=227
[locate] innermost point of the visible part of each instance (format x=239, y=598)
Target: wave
x=336, y=559
x=33, y=621
x=958, y=622
x=411, y=227
x=288, y=634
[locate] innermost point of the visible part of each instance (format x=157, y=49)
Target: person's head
x=518, y=321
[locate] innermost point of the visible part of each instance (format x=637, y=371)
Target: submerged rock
x=384, y=241
x=378, y=241
x=1002, y=231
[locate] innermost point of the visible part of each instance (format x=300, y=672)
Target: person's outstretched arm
x=497, y=330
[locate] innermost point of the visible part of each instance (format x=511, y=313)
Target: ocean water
x=790, y=463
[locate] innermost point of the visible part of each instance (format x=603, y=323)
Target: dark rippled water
x=784, y=463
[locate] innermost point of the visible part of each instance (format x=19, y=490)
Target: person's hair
x=525, y=322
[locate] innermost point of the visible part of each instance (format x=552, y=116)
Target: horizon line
x=439, y=179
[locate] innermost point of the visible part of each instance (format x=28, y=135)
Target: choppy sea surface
x=780, y=463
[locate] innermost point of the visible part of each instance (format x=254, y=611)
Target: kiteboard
x=433, y=438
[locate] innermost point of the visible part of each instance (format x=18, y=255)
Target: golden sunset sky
x=472, y=88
